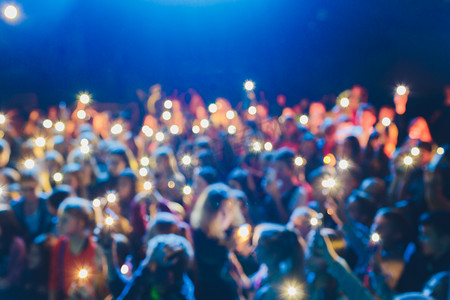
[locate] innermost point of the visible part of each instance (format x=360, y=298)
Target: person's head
x=435, y=233
x=437, y=287
x=215, y=211
x=163, y=223
x=126, y=188
x=166, y=162
x=418, y=130
x=169, y=257
x=240, y=179
x=203, y=176
x=57, y=196
x=361, y=207
x=308, y=146
x=351, y=148
x=300, y=221
x=279, y=249
x=376, y=188
x=9, y=228
x=117, y=160
x=76, y=217
x=73, y=175
x=39, y=254
x=29, y=186
x=284, y=164
x=392, y=227
x=315, y=262
x=367, y=116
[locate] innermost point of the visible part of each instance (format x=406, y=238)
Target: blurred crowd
x=169, y=197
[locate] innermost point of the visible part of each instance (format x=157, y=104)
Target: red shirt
x=71, y=264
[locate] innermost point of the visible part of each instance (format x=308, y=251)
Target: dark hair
x=354, y=146
x=397, y=220
x=209, y=174
x=79, y=208
x=285, y=155
x=9, y=227
x=365, y=203
x=58, y=195
x=439, y=220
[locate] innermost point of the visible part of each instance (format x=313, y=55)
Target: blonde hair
x=209, y=203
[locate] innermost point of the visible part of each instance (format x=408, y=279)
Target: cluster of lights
x=147, y=131
x=329, y=183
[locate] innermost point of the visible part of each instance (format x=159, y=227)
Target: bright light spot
x=186, y=160
x=116, y=129
x=204, y=123
x=401, y=90
x=327, y=160
x=174, y=129
x=232, y=129
x=83, y=273
x=230, y=114
x=57, y=177
x=159, y=136
x=252, y=110
x=29, y=164
x=298, y=161
x=256, y=146
x=244, y=231
x=111, y=197
x=249, y=85
x=195, y=129
x=143, y=172
x=187, y=190
x=85, y=149
x=168, y=104
x=2, y=119
x=59, y=126
x=212, y=108
x=84, y=98
x=415, y=151
x=408, y=160
x=109, y=220
x=124, y=269
x=314, y=221
x=440, y=151
x=171, y=184
x=145, y=161
x=343, y=164
x=304, y=119
x=291, y=291
x=148, y=185
x=10, y=12
x=268, y=146
x=81, y=114
x=328, y=183
x=96, y=202
x=166, y=115
x=40, y=142
x=147, y=131
x=386, y=121
x=47, y=124
x=344, y=102
x=84, y=142
x=375, y=237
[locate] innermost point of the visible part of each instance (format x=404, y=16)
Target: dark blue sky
x=301, y=48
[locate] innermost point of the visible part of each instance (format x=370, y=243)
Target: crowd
x=171, y=198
